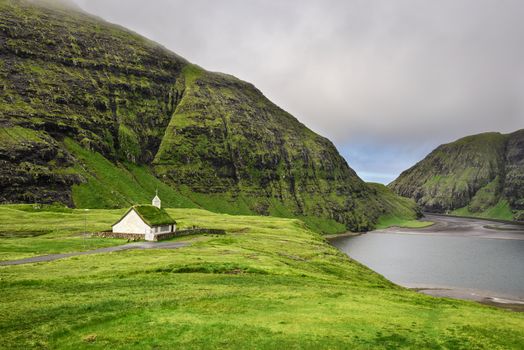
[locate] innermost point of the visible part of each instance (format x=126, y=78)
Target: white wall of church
x=132, y=223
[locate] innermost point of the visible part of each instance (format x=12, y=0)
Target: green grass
x=191, y=73
x=501, y=211
x=486, y=197
x=118, y=186
x=269, y=283
x=10, y=136
x=400, y=211
x=391, y=221
x=27, y=232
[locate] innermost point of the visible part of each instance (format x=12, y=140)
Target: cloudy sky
x=385, y=80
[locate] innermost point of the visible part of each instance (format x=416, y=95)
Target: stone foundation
x=160, y=236
x=192, y=231
x=128, y=236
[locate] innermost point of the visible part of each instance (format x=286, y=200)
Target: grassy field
x=501, y=211
x=390, y=221
x=57, y=229
x=27, y=231
x=269, y=283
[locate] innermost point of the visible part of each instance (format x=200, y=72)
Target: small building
x=147, y=220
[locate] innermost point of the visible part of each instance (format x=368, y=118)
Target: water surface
x=455, y=253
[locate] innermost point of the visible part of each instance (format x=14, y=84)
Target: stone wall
x=191, y=231
x=128, y=236
x=160, y=236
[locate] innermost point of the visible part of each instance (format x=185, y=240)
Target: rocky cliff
x=94, y=115
x=480, y=175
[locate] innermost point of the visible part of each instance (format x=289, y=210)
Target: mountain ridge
x=477, y=175
x=73, y=83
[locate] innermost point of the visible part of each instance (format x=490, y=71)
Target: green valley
x=96, y=119
x=269, y=282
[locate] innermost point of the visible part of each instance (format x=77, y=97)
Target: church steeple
x=156, y=201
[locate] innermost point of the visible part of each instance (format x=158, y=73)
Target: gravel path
x=136, y=245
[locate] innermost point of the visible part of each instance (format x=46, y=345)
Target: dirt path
x=136, y=245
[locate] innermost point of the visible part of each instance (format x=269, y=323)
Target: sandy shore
x=465, y=227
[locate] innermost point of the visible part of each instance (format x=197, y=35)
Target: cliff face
x=480, y=175
x=226, y=137
x=71, y=83
x=64, y=73
x=514, y=171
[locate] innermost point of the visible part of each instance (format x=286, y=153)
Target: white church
x=147, y=220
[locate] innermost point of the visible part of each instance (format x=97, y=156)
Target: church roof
x=151, y=215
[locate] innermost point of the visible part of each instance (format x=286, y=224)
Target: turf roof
x=153, y=216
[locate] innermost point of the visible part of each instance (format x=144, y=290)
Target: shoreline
x=509, y=222
x=514, y=230
x=450, y=234
x=486, y=297
x=344, y=234
x=456, y=227
x=446, y=225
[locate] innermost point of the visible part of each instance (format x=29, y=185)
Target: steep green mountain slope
x=93, y=115
x=63, y=73
x=480, y=175
x=401, y=211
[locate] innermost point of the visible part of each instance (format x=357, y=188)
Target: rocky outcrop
x=34, y=168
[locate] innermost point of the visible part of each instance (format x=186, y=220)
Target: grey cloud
x=385, y=80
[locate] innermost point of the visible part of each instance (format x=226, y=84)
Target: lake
x=454, y=253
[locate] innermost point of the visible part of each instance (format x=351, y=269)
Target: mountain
x=479, y=175
x=93, y=115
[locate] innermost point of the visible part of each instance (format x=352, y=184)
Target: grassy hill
x=93, y=115
x=268, y=283
x=480, y=175
x=402, y=212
